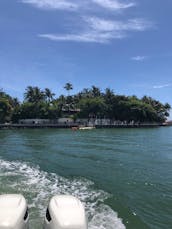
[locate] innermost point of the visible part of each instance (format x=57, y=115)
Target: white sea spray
x=39, y=186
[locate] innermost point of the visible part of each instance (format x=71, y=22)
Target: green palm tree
x=34, y=95
x=95, y=91
x=48, y=94
x=68, y=87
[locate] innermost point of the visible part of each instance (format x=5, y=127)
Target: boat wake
x=39, y=186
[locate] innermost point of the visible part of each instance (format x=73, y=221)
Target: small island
x=89, y=107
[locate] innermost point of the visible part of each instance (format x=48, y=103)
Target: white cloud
x=113, y=4
x=137, y=24
x=138, y=58
x=94, y=37
x=101, y=31
x=95, y=29
x=78, y=4
x=53, y=4
x=99, y=24
x=161, y=86
x=109, y=25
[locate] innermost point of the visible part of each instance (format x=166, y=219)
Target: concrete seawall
x=70, y=125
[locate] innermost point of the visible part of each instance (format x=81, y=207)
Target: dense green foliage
x=8, y=105
x=89, y=103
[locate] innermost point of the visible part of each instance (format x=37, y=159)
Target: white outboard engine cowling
x=13, y=212
x=65, y=212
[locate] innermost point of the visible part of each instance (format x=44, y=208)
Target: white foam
x=39, y=186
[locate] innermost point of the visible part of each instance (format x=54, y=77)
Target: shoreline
x=70, y=125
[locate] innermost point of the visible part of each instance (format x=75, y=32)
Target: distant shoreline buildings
x=90, y=107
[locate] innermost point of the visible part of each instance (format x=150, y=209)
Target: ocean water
x=122, y=176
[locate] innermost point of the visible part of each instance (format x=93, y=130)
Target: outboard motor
x=13, y=212
x=65, y=212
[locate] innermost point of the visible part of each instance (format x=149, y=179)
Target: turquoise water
x=123, y=176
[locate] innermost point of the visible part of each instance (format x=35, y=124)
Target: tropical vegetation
x=86, y=104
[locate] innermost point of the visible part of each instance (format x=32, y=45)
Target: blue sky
x=122, y=44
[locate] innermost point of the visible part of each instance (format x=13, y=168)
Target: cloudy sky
x=122, y=44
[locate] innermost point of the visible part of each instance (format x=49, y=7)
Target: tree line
x=88, y=103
